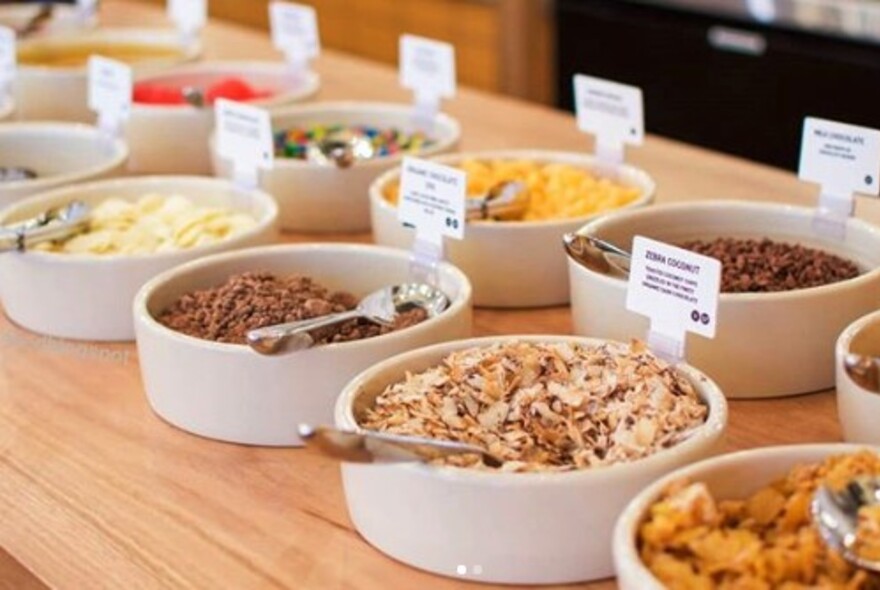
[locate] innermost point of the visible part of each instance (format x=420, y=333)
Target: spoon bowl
x=381, y=307
x=863, y=370
x=596, y=254
x=835, y=514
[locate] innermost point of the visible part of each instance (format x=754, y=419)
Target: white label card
x=8, y=58
x=427, y=67
x=188, y=16
x=612, y=112
x=432, y=198
x=86, y=8
x=244, y=135
x=842, y=158
x=110, y=88
x=295, y=30
x=676, y=288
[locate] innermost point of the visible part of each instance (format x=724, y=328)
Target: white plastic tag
x=8, y=60
x=86, y=9
x=612, y=112
x=189, y=16
x=843, y=159
x=295, y=33
x=110, y=88
x=677, y=289
x=432, y=201
x=427, y=67
x=244, y=136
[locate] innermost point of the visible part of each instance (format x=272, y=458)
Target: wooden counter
x=96, y=491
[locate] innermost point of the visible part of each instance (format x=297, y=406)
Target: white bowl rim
x=783, y=208
x=711, y=430
x=143, y=315
x=295, y=110
x=310, y=87
x=264, y=200
x=117, y=158
x=648, y=187
x=161, y=37
x=842, y=348
x=623, y=536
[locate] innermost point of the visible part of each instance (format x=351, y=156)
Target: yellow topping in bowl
x=154, y=223
x=77, y=55
x=556, y=191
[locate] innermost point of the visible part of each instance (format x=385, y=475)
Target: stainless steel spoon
x=863, y=370
x=835, y=514
x=16, y=174
x=366, y=446
x=341, y=149
x=507, y=200
x=54, y=224
x=35, y=22
x=597, y=254
x=380, y=307
x=193, y=96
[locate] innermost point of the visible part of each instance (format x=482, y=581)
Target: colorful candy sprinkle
x=295, y=142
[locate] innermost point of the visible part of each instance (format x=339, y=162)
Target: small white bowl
x=61, y=93
x=173, y=139
x=731, y=476
x=231, y=393
x=88, y=297
x=60, y=153
x=65, y=18
x=858, y=408
x=507, y=528
x=511, y=264
x=324, y=198
x=767, y=344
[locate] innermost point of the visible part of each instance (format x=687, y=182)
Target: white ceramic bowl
x=65, y=18
x=858, y=408
x=514, y=528
x=767, y=344
x=88, y=297
x=324, y=198
x=60, y=153
x=511, y=264
x=231, y=393
x=731, y=476
x=155, y=132
x=61, y=93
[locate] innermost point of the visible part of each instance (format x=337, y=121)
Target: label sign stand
x=189, y=16
x=427, y=67
x=613, y=113
x=677, y=290
x=244, y=136
x=843, y=159
x=86, y=9
x=8, y=62
x=432, y=201
x=110, y=89
x=295, y=33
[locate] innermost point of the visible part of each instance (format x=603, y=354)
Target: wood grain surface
x=96, y=491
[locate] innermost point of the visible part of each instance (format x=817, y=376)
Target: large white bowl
x=515, y=528
x=324, y=198
x=511, y=264
x=231, y=393
x=88, y=297
x=61, y=93
x=858, y=408
x=65, y=18
x=767, y=344
x=60, y=154
x=173, y=139
x=731, y=476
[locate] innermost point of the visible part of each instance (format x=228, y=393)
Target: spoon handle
x=293, y=336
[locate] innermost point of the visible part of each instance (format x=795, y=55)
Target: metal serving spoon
x=863, y=370
x=835, y=514
x=380, y=307
x=35, y=22
x=366, y=446
x=597, y=254
x=341, y=149
x=193, y=96
x=16, y=173
x=54, y=224
x=506, y=200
